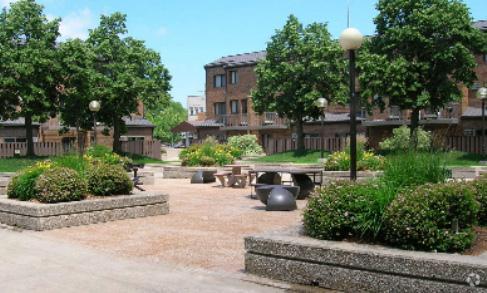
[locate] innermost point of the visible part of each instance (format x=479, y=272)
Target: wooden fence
x=330, y=144
x=468, y=144
x=144, y=148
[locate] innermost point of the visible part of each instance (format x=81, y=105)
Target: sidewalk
x=32, y=263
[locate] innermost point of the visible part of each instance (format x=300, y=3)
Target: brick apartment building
x=229, y=110
x=456, y=119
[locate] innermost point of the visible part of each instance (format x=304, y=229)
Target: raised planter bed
x=4, y=180
x=36, y=216
x=180, y=172
x=345, y=175
x=351, y=267
x=467, y=172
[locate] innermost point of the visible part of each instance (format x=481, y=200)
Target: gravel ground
x=204, y=229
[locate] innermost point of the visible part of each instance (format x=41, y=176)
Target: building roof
x=137, y=122
x=473, y=112
x=481, y=24
x=238, y=60
x=16, y=122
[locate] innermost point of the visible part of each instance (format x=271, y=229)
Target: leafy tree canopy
x=421, y=52
x=129, y=72
x=29, y=71
x=165, y=118
x=302, y=64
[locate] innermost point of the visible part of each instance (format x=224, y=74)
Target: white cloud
x=76, y=24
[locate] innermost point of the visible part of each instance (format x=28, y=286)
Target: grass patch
x=461, y=159
x=138, y=159
x=15, y=164
x=292, y=157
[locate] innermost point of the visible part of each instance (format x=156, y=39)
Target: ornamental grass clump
x=433, y=217
x=60, y=184
x=347, y=209
x=209, y=153
x=105, y=180
x=22, y=185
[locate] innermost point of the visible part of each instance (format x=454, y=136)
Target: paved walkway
x=205, y=228
x=31, y=263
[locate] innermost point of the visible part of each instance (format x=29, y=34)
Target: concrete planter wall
x=180, y=172
x=361, y=268
x=36, y=216
x=4, y=180
x=345, y=175
x=467, y=172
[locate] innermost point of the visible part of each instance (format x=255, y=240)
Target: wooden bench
x=222, y=176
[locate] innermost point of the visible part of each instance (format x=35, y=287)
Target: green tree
x=79, y=80
x=302, y=64
x=421, y=52
x=165, y=118
x=129, y=72
x=29, y=71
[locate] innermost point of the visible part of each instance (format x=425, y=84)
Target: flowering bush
x=209, y=154
x=340, y=161
x=400, y=139
x=60, y=184
x=247, y=144
x=480, y=186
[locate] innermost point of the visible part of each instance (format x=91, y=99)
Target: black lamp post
x=322, y=103
x=351, y=40
x=94, y=108
x=482, y=95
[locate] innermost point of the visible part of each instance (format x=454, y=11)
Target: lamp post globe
x=94, y=106
x=321, y=103
x=482, y=93
x=351, y=39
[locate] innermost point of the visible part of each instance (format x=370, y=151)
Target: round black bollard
x=281, y=200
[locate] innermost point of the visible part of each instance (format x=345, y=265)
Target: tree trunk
x=117, y=146
x=29, y=135
x=413, y=134
x=300, y=136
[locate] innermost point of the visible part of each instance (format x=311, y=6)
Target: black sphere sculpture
x=281, y=200
x=264, y=191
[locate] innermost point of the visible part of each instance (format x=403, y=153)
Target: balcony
x=268, y=120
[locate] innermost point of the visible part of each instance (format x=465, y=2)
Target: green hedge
x=59, y=184
x=427, y=218
x=105, y=180
x=22, y=185
x=480, y=186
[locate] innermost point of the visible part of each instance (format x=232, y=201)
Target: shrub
x=480, y=186
x=413, y=169
x=346, y=209
x=102, y=154
x=22, y=185
x=247, y=144
x=208, y=154
x=401, y=137
x=105, y=179
x=366, y=160
x=432, y=217
x=60, y=184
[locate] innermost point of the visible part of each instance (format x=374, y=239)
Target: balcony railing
x=266, y=120
x=450, y=111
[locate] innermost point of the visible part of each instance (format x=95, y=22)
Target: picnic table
x=305, y=178
x=235, y=178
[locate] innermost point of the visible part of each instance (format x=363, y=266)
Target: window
x=191, y=110
x=202, y=110
x=244, y=106
x=219, y=81
x=233, y=77
x=234, y=106
x=220, y=109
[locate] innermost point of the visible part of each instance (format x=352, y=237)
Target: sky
x=191, y=33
